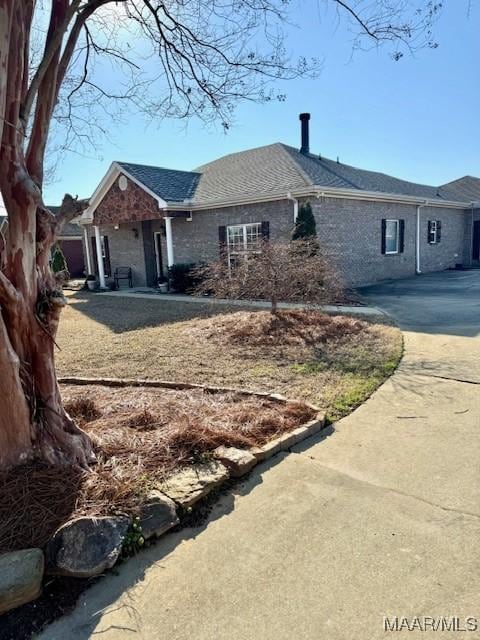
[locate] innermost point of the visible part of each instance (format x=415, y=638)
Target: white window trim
x=434, y=231
x=241, y=252
x=397, y=249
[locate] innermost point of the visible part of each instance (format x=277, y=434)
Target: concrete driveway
x=380, y=518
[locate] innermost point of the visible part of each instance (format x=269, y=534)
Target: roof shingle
x=328, y=173
x=169, y=184
x=278, y=168
x=464, y=189
x=259, y=171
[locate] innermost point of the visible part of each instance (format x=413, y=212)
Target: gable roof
x=466, y=188
x=169, y=184
x=258, y=171
x=274, y=170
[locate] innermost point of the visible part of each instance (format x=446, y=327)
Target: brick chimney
x=304, y=119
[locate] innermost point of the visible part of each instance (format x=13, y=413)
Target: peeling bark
x=33, y=422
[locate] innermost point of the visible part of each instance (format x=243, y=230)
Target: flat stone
x=158, y=515
x=86, y=546
x=238, y=461
x=288, y=440
x=21, y=574
x=193, y=483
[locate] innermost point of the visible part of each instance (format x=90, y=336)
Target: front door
x=476, y=241
x=157, y=237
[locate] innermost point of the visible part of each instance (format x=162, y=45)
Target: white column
x=168, y=232
x=87, y=251
x=98, y=244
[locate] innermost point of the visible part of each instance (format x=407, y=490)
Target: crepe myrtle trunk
x=33, y=421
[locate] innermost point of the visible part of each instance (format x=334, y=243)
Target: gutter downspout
x=470, y=249
x=295, y=206
x=418, y=269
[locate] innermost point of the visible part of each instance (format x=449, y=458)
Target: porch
x=145, y=246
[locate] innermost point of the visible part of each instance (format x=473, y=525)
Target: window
x=392, y=236
x=434, y=231
x=243, y=240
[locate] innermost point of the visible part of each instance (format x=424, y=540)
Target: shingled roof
x=464, y=189
x=278, y=168
x=169, y=184
x=325, y=172
x=259, y=171
x=71, y=229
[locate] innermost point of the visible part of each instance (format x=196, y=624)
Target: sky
x=416, y=119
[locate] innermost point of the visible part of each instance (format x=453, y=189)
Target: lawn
x=192, y=342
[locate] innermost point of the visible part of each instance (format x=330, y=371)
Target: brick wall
x=450, y=250
x=197, y=241
x=349, y=232
x=126, y=250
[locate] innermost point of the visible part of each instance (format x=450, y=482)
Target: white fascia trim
x=317, y=191
x=107, y=181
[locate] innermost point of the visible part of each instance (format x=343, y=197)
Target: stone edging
x=168, y=384
x=73, y=549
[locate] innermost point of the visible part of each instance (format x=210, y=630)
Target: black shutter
x=222, y=242
x=429, y=231
x=94, y=254
x=401, y=240
x=265, y=230
x=439, y=230
x=384, y=236
x=106, y=262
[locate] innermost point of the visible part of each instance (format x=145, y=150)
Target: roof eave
x=317, y=191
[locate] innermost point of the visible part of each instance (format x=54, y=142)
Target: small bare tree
x=280, y=272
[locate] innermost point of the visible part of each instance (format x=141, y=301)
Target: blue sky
x=416, y=119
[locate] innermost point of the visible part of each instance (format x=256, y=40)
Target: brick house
x=373, y=226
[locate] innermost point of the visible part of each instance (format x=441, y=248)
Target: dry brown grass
x=298, y=327
x=82, y=409
x=167, y=340
x=140, y=436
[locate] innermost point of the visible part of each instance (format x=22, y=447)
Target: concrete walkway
x=153, y=294
x=380, y=518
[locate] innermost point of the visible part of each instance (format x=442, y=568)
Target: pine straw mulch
x=141, y=436
x=293, y=327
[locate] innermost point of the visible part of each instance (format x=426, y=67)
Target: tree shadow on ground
x=122, y=315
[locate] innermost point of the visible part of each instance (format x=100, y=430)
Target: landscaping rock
x=193, y=483
x=21, y=574
x=237, y=461
x=86, y=547
x=158, y=515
